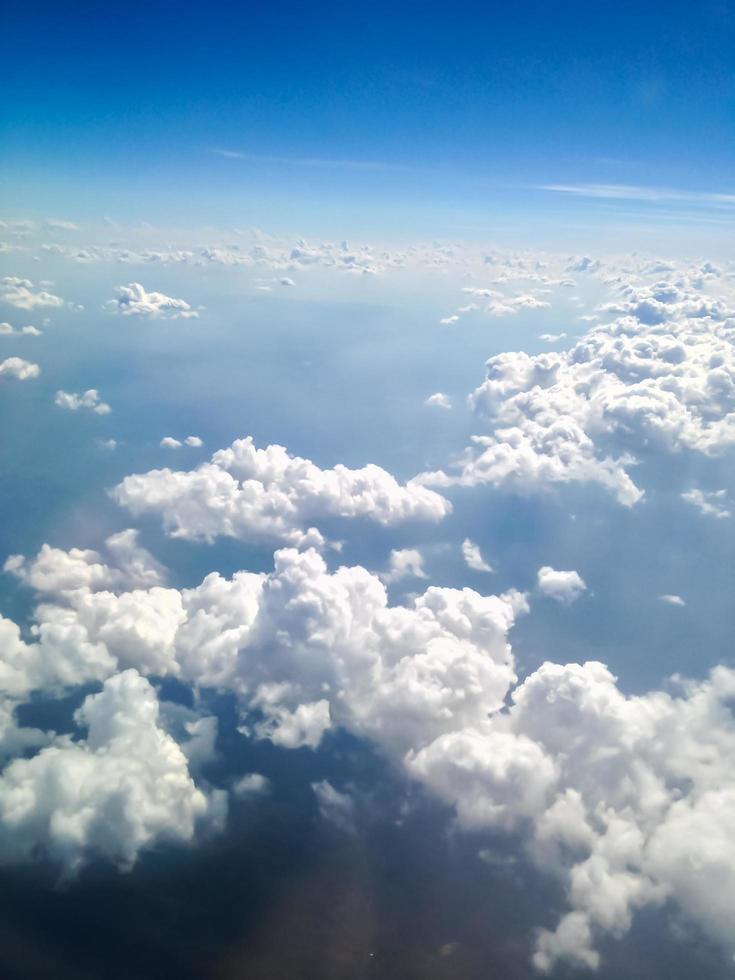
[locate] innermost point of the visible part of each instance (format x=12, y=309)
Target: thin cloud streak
x=627, y=192
x=306, y=161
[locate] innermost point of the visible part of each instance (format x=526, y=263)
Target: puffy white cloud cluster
x=564, y=587
x=304, y=649
x=628, y=800
x=17, y=367
x=89, y=399
x=134, y=300
x=660, y=378
x=24, y=295
x=266, y=495
x=120, y=790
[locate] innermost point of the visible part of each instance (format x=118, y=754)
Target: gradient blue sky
x=387, y=112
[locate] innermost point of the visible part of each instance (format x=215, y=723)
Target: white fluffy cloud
x=16, y=367
x=565, y=587
x=134, y=300
x=404, y=563
x=169, y=442
x=438, y=400
x=627, y=800
x=267, y=495
x=123, y=788
x=659, y=378
x=24, y=295
x=89, y=399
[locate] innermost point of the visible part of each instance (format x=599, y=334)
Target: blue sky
x=449, y=119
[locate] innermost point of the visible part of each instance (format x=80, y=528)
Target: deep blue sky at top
x=385, y=105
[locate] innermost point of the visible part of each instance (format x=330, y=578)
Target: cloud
x=660, y=378
x=473, y=557
x=672, y=600
x=6, y=329
x=23, y=295
x=654, y=195
x=335, y=807
x=122, y=789
x=626, y=800
x=16, y=367
x=251, y=784
x=404, y=563
x=267, y=495
x=438, y=400
x=169, y=442
x=565, y=587
x=551, y=338
x=134, y=300
x=710, y=503
x=89, y=399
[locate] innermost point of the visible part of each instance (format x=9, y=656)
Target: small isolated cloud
x=439, y=400
x=169, y=442
x=23, y=295
x=335, y=807
x=564, y=587
x=551, y=338
x=672, y=600
x=134, y=300
x=251, y=784
x=54, y=224
x=89, y=399
x=108, y=444
x=16, y=367
x=473, y=557
x=286, y=281
x=711, y=503
x=404, y=563
x=449, y=321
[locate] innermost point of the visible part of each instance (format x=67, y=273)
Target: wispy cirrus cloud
x=632, y=192
x=316, y=162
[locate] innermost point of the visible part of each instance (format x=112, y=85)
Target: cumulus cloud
x=120, y=790
x=305, y=650
x=89, y=399
x=16, y=367
x=628, y=801
x=134, y=300
x=660, y=378
x=565, y=587
x=251, y=784
x=24, y=295
x=438, y=400
x=404, y=563
x=672, y=600
x=267, y=495
x=169, y=442
x=473, y=557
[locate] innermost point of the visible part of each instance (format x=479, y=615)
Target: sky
x=367, y=420
x=396, y=121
